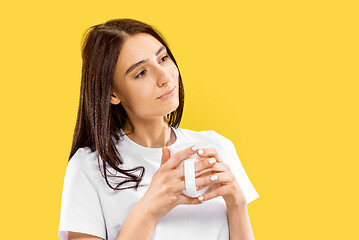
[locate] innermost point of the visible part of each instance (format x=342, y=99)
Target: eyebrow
x=143, y=61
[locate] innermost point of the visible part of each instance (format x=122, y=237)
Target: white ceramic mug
x=189, y=170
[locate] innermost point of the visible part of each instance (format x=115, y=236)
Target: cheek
x=174, y=71
x=142, y=94
x=136, y=95
x=140, y=101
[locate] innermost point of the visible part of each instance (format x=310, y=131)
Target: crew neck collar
x=134, y=147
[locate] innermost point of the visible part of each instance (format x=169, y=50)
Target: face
x=138, y=86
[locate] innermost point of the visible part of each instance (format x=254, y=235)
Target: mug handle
x=189, y=177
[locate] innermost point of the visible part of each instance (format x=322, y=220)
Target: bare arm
x=81, y=236
x=239, y=224
x=139, y=224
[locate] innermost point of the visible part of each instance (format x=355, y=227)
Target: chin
x=174, y=106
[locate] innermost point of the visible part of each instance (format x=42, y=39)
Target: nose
x=163, y=75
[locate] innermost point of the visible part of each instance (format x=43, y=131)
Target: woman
x=121, y=181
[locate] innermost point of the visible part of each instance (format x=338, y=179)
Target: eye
x=165, y=57
x=143, y=71
x=140, y=74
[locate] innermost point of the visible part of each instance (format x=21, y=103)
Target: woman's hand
x=167, y=184
x=227, y=186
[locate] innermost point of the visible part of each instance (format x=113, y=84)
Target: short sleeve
x=231, y=158
x=80, y=204
x=239, y=173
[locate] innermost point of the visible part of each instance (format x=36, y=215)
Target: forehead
x=136, y=48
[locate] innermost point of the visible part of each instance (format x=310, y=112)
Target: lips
x=168, y=92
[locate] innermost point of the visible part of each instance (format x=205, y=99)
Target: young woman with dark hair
x=121, y=181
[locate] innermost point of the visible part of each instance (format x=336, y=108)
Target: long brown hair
x=98, y=121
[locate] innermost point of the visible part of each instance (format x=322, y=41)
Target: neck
x=151, y=134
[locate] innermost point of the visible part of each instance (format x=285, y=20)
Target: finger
x=204, y=164
x=209, y=152
x=166, y=154
x=179, y=156
x=217, y=167
x=215, y=185
x=199, y=166
x=216, y=192
x=213, y=178
x=178, y=186
x=211, y=168
x=183, y=199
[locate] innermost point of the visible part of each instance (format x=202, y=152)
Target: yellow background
x=278, y=78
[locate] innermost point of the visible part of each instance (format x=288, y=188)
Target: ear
x=114, y=99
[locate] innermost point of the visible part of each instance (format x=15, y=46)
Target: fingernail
x=212, y=160
x=200, y=151
x=214, y=177
x=195, y=147
x=200, y=198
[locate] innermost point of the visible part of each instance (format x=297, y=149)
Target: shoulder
x=222, y=144
x=208, y=135
x=216, y=136
x=82, y=160
x=79, y=172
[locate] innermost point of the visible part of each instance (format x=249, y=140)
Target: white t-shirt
x=90, y=206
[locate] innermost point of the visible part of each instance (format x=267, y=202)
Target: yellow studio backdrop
x=278, y=78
